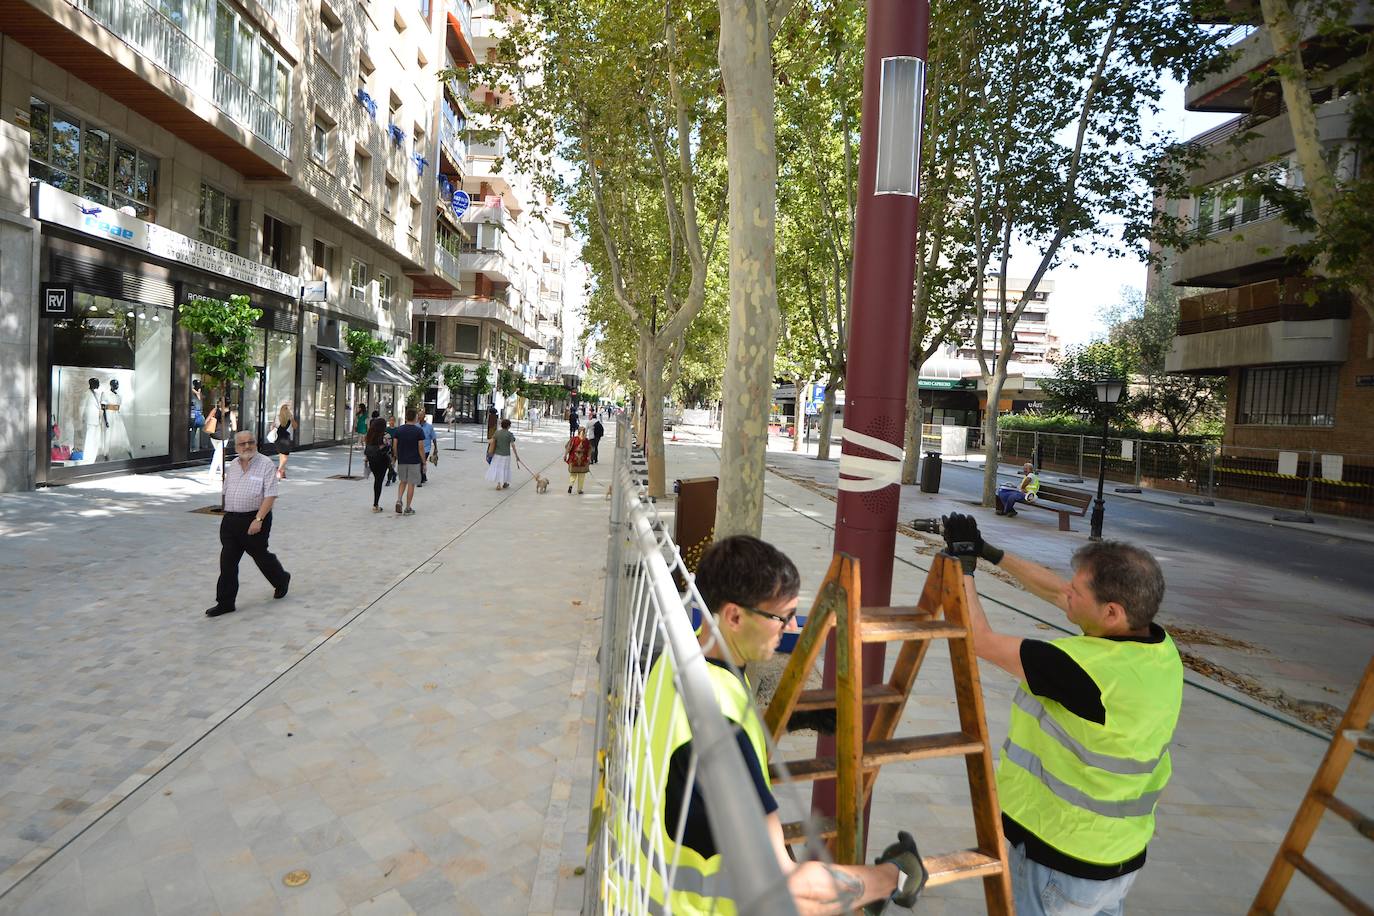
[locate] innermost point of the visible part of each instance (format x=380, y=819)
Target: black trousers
x=596, y=447
x=234, y=542
x=379, y=470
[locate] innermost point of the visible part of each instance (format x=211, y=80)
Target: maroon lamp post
x=880, y=330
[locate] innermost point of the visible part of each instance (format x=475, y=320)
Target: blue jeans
x=1007, y=497
x=1039, y=890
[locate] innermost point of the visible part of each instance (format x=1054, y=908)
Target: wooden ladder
x=941, y=613
x=1321, y=797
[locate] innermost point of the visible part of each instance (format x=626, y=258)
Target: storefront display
x=111, y=383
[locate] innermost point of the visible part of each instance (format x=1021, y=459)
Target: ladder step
x=1363, y=824
x=960, y=866
x=874, y=695
x=794, y=833
x=881, y=753
x=902, y=630
x=1333, y=888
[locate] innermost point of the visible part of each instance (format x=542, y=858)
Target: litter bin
x=930, y=473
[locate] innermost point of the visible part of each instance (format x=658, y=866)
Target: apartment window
x=1288, y=396
x=88, y=161
x=219, y=218
x=389, y=199
x=429, y=333
x=321, y=139
x=469, y=339
x=1228, y=204
x=329, y=36
x=276, y=244
x=415, y=214
x=398, y=22
x=241, y=51
x=362, y=172
x=384, y=288
x=365, y=70
x=321, y=260
x=394, y=108
x=357, y=279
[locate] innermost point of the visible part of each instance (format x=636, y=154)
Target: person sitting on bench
x=1008, y=496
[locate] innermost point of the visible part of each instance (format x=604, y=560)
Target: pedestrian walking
x=377, y=452
x=360, y=426
x=285, y=439
x=501, y=451
x=408, y=446
x=491, y=420
x=572, y=421
x=431, y=448
x=219, y=426
x=1087, y=752
x=250, y=492
x=577, y=453
x=598, y=432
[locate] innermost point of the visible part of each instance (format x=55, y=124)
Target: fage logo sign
x=107, y=227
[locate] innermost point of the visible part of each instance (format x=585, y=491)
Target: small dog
x=541, y=484
x=608, y=493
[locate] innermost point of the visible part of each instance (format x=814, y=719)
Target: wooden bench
x=1065, y=501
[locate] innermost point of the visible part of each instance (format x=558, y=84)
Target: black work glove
x=962, y=540
x=907, y=858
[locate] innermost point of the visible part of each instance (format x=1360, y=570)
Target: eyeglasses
x=785, y=621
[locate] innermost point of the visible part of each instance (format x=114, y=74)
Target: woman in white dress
x=501, y=452
x=116, y=434
x=93, y=418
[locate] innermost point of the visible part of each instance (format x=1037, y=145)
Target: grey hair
x=1126, y=575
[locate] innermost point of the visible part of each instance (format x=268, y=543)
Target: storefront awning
x=385, y=369
x=337, y=357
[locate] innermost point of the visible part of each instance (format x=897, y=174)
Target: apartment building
x=1300, y=373
x=158, y=150
x=502, y=257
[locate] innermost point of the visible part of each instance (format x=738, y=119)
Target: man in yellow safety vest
x=1087, y=752
x=751, y=589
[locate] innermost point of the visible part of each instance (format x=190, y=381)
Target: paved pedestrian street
x=411, y=726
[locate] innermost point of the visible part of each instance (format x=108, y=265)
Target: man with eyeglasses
x=750, y=588
x=250, y=491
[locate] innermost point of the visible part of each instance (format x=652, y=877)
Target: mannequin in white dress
x=116, y=434
x=93, y=418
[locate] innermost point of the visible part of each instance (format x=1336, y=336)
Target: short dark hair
x=505, y=424
x=410, y=414
x=746, y=571
x=1124, y=574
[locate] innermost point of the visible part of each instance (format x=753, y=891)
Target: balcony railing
x=144, y=28
x=486, y=144
x=1257, y=303
x=453, y=139
x=447, y=263
x=284, y=14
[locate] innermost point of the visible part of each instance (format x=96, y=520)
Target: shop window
x=469, y=339
x=357, y=279
x=219, y=218
x=321, y=260
x=276, y=244
x=88, y=161
x=1288, y=396
x=111, y=383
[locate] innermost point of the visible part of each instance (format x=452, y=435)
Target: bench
x=1070, y=502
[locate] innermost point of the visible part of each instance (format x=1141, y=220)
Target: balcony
x=1268, y=323
x=452, y=138
x=458, y=35
x=495, y=310
x=446, y=263
x=144, y=28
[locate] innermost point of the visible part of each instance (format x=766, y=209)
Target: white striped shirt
x=244, y=491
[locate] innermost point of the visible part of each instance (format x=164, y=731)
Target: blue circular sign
x=460, y=202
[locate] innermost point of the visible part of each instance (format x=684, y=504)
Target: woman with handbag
x=378, y=455
x=219, y=426
x=577, y=454
x=287, y=427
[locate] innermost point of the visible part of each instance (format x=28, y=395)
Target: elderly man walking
x=250, y=491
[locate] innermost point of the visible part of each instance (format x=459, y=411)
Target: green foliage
x=424, y=363
x=1073, y=390
x=506, y=382
x=1123, y=426
x=224, y=353
x=453, y=379
x=481, y=380
x=363, y=346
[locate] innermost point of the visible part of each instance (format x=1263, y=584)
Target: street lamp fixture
x=1109, y=392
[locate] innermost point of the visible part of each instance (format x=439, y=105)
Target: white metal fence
x=646, y=616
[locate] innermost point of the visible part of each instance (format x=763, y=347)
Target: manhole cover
x=296, y=878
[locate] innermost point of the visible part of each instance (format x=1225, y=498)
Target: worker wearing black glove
x=912, y=877
x=963, y=540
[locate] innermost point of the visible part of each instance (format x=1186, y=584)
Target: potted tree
x=424, y=363
x=363, y=347
x=224, y=352
x=453, y=380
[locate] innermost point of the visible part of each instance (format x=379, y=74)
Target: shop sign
x=942, y=383
x=65, y=209
x=58, y=300
x=1364, y=381
x=315, y=291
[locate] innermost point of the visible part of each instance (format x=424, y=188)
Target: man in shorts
x=409, y=448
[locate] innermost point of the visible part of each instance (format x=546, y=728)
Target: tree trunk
x=800, y=417
x=827, y=423
x=653, y=420
x=990, y=450
x=915, y=414
x=746, y=63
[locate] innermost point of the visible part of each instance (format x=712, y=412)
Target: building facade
x=299, y=154
x=1299, y=367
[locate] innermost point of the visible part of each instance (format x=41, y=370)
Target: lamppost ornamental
x=1109, y=392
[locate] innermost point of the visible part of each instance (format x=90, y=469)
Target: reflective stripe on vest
x=1089, y=789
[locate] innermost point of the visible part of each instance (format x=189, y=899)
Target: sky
x=1087, y=282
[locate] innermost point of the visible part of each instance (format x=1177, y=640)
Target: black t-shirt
x=1052, y=674
x=696, y=833
x=408, y=439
